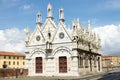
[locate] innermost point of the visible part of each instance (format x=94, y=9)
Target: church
x=56, y=50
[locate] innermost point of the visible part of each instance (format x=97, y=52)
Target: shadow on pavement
x=111, y=76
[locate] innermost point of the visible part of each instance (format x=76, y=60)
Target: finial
x=88, y=30
x=27, y=30
x=61, y=14
x=38, y=17
x=74, y=24
x=49, y=9
x=61, y=9
x=49, y=6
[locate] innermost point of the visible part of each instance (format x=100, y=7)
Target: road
x=111, y=75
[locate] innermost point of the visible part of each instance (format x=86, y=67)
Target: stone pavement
x=48, y=78
x=55, y=78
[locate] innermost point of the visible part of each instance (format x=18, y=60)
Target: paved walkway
x=48, y=78
x=56, y=78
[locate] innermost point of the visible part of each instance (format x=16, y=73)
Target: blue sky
x=104, y=15
x=19, y=13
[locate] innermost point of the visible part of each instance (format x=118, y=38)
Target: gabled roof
x=51, y=21
x=37, y=28
x=58, y=29
x=3, y=53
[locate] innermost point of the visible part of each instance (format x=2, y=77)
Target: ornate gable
x=37, y=37
x=48, y=27
x=61, y=34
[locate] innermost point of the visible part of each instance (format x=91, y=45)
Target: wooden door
x=38, y=64
x=62, y=64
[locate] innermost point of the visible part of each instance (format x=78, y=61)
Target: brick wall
x=13, y=72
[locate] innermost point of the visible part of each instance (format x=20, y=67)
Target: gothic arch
x=61, y=48
x=37, y=50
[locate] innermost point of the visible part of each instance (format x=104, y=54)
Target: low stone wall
x=13, y=72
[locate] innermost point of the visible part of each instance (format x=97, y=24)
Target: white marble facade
x=56, y=50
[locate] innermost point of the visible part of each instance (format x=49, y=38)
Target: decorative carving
x=38, y=18
x=61, y=35
x=27, y=33
x=49, y=9
x=38, y=38
x=48, y=47
x=61, y=15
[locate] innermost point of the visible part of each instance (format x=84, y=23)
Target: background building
x=110, y=61
x=57, y=50
x=12, y=60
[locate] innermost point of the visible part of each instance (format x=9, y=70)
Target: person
x=4, y=65
x=21, y=71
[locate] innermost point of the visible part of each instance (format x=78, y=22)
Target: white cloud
x=110, y=38
x=26, y=7
x=2, y=36
x=12, y=40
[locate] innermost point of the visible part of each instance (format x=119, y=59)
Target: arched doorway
x=63, y=56
x=39, y=67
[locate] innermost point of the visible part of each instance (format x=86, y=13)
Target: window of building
x=86, y=63
x=23, y=63
x=4, y=62
x=17, y=57
x=4, y=57
x=14, y=63
x=13, y=57
x=17, y=63
x=80, y=61
x=9, y=63
x=9, y=57
x=23, y=57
